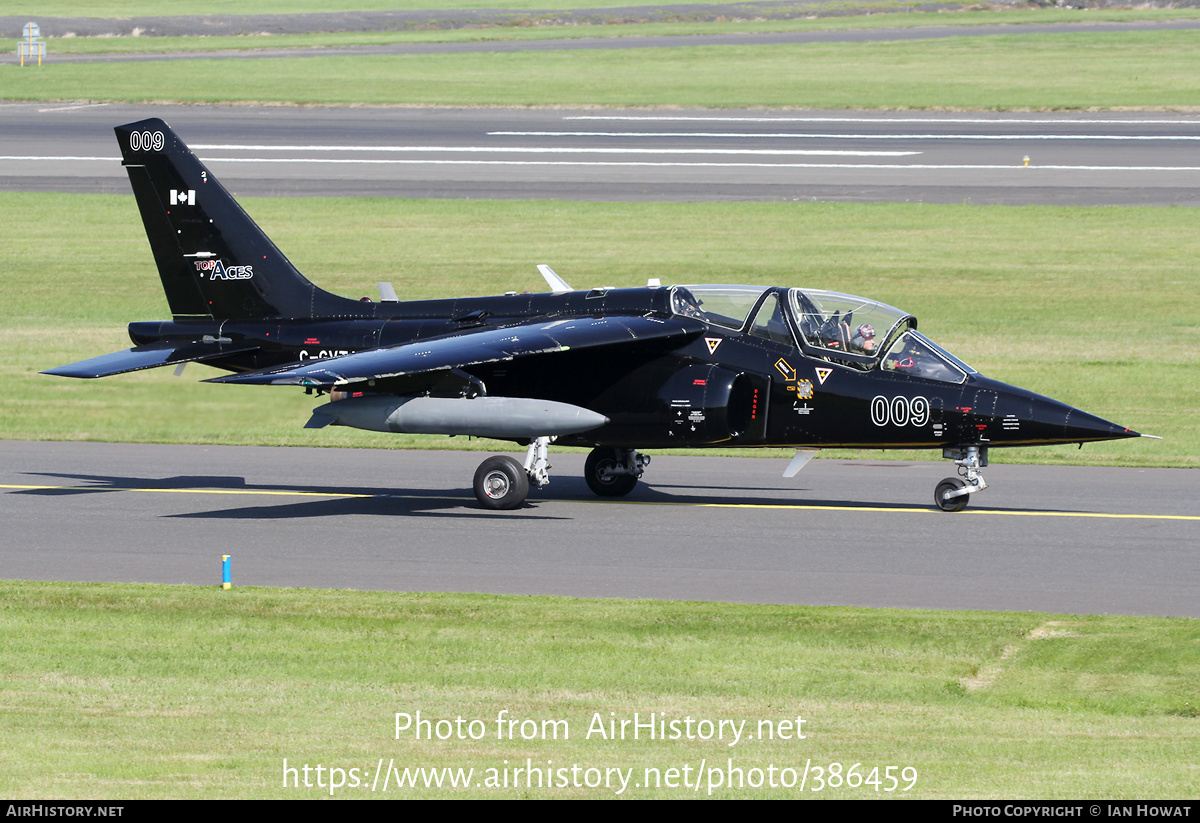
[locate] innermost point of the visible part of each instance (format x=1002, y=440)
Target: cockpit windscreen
x=914, y=353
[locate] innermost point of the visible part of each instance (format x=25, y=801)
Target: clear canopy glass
x=724, y=305
x=840, y=322
x=842, y=328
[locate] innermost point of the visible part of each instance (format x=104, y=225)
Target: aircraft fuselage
x=720, y=386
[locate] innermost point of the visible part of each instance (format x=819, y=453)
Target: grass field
x=847, y=14
x=1097, y=307
x=131, y=692
x=132, y=8
x=140, y=8
x=548, y=26
x=1156, y=70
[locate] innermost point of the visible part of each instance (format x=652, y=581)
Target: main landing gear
x=614, y=472
x=952, y=494
x=503, y=483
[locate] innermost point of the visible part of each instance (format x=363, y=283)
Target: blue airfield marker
x=225, y=584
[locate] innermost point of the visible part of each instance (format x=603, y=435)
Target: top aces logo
x=219, y=271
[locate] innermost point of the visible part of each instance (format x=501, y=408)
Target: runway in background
x=1073, y=159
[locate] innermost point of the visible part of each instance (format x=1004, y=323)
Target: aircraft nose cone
x=1028, y=418
x=1081, y=426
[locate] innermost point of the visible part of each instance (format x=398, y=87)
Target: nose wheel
x=947, y=495
x=953, y=493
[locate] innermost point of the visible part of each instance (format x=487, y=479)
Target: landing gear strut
x=503, y=483
x=951, y=495
x=614, y=472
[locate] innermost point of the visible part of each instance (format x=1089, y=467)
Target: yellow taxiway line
x=785, y=506
x=931, y=510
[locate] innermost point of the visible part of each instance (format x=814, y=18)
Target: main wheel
x=501, y=483
x=598, y=472
x=950, y=504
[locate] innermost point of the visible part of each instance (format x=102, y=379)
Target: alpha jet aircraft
x=615, y=369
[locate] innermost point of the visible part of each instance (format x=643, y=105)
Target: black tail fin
x=213, y=259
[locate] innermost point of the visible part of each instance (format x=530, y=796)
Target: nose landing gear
x=952, y=494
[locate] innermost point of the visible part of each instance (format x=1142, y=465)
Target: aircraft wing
x=471, y=349
x=149, y=356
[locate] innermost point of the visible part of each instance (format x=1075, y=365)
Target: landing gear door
x=982, y=414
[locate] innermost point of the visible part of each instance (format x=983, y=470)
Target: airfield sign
x=30, y=45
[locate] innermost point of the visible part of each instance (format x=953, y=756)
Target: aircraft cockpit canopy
x=842, y=328
x=844, y=324
x=914, y=353
x=859, y=332
x=726, y=306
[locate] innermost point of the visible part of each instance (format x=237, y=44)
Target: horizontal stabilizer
x=471, y=349
x=150, y=356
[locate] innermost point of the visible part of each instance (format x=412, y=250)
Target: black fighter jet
x=614, y=369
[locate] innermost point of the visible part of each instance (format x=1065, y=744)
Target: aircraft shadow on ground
x=341, y=500
x=363, y=500
x=383, y=505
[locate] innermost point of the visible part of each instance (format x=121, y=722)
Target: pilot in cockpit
x=863, y=339
x=837, y=333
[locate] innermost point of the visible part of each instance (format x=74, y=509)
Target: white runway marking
x=72, y=108
x=556, y=150
x=34, y=157
x=821, y=136
x=663, y=164
x=987, y=121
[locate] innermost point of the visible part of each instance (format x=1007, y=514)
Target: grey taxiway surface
x=848, y=532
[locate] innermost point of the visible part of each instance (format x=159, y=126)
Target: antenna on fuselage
x=556, y=283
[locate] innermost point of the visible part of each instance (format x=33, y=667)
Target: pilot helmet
x=864, y=337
